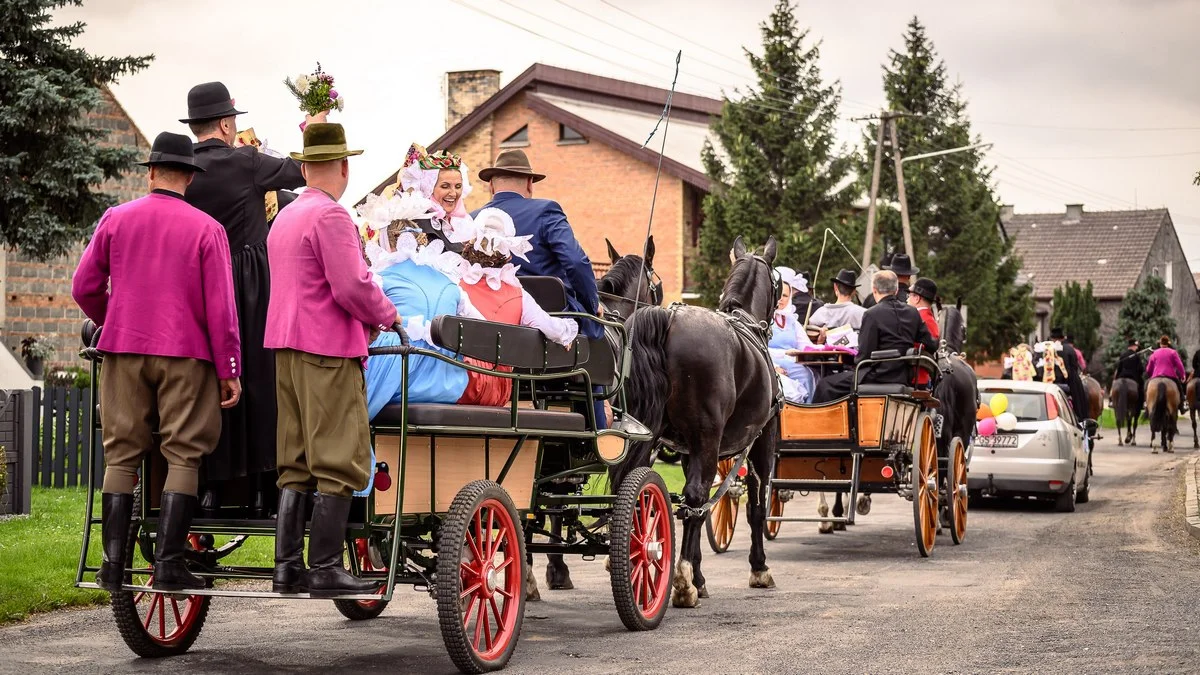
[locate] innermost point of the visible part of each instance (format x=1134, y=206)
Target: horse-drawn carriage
x=882, y=438
x=459, y=502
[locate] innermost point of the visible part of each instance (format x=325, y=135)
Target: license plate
x=997, y=441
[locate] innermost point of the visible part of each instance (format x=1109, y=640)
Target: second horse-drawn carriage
x=459, y=501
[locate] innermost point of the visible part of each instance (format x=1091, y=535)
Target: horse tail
x=1116, y=394
x=647, y=387
x=1158, y=414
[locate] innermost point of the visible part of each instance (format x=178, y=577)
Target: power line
x=1036, y=174
x=1052, y=127
x=1066, y=158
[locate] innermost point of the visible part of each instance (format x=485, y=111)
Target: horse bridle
x=654, y=286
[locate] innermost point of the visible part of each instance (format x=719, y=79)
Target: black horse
x=627, y=285
x=703, y=384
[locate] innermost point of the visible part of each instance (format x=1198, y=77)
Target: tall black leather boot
x=289, y=543
x=326, y=543
x=116, y=511
x=174, y=520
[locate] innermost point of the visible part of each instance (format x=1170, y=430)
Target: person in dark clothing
x=1079, y=400
x=890, y=324
x=233, y=190
x=901, y=265
x=1131, y=367
x=806, y=303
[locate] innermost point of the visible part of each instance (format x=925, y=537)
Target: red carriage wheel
x=155, y=625
x=772, y=529
x=957, y=487
x=925, y=485
x=722, y=517
x=480, y=578
x=642, y=549
x=362, y=610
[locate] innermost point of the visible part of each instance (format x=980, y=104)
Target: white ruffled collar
x=473, y=273
x=432, y=255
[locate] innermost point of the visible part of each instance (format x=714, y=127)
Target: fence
x=62, y=431
x=17, y=450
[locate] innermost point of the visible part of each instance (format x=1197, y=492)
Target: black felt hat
x=846, y=278
x=924, y=288
x=209, y=101
x=173, y=150
x=902, y=265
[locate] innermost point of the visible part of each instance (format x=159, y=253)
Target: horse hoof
x=761, y=579
x=558, y=579
x=823, y=510
x=608, y=565
x=863, y=507
x=531, y=587
x=683, y=593
x=840, y=527
x=825, y=528
x=702, y=592
x=1154, y=452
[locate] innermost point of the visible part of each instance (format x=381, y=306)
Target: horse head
x=752, y=286
x=628, y=284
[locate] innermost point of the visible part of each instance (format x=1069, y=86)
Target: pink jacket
x=1165, y=362
x=322, y=298
x=172, y=283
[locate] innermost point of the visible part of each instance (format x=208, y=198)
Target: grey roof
x=1109, y=248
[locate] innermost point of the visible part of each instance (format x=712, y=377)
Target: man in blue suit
x=556, y=253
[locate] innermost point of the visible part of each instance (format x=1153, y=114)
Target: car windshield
x=1028, y=406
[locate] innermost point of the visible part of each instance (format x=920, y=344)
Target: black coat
x=891, y=324
x=901, y=295
x=806, y=304
x=232, y=190
x=1131, y=366
x=1079, y=399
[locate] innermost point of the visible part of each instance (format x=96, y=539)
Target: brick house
x=36, y=298
x=585, y=133
x=1115, y=250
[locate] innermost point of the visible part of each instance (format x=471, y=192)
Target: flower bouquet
x=315, y=92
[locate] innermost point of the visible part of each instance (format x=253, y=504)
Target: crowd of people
x=236, y=320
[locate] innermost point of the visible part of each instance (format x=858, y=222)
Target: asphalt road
x=1113, y=587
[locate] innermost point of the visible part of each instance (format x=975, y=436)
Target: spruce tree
x=1145, y=315
x=953, y=211
x=1075, y=311
x=777, y=168
x=51, y=161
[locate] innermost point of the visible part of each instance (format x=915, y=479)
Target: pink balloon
x=986, y=426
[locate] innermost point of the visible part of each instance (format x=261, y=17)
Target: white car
x=1048, y=455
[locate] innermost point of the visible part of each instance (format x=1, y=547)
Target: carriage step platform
x=811, y=519
x=810, y=484
x=219, y=592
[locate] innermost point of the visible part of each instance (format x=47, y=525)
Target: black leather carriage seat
x=883, y=389
x=479, y=416
x=549, y=292
x=505, y=344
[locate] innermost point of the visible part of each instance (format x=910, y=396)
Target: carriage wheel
x=480, y=578
x=722, y=517
x=957, y=487
x=368, y=561
x=642, y=549
x=772, y=529
x=925, y=485
x=156, y=625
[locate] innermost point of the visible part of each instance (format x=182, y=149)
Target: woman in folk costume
x=444, y=179
x=490, y=279
x=1051, y=369
x=787, y=332
x=1022, y=366
x=421, y=279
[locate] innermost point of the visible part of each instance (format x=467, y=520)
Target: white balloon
x=1006, y=421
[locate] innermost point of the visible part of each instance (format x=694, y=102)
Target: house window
x=1168, y=277
x=568, y=136
x=518, y=139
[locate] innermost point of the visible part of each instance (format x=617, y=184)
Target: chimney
x=1006, y=212
x=466, y=90
x=1074, y=213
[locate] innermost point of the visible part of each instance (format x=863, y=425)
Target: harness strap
x=683, y=512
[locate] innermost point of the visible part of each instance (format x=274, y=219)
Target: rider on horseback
x=1165, y=362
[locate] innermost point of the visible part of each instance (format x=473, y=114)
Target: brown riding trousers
x=178, y=397
x=323, y=436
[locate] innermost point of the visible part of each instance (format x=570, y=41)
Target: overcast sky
x=1095, y=102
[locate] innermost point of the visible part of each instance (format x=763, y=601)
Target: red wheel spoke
x=482, y=628
x=162, y=617
x=474, y=545
x=150, y=614
x=178, y=618
x=471, y=590
x=507, y=561
x=496, y=544
x=138, y=598
x=496, y=613
x=490, y=547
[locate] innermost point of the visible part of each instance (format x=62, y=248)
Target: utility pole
x=908, y=245
x=870, y=241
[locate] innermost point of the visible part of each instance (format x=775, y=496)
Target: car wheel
x=1084, y=494
x=1065, y=503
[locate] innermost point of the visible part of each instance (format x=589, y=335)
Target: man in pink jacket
x=323, y=309
x=1165, y=362
x=172, y=355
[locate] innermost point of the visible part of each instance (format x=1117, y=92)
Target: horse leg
x=1195, y=440
x=761, y=457
x=687, y=582
x=823, y=511
x=558, y=576
x=531, y=587
x=839, y=511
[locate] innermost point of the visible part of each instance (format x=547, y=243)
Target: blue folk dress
x=786, y=333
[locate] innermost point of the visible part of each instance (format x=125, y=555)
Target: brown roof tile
x=1109, y=248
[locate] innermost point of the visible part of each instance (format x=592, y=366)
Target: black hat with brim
x=846, y=278
x=172, y=150
x=924, y=288
x=902, y=265
x=210, y=101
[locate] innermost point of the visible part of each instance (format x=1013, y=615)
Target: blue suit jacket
x=555, y=252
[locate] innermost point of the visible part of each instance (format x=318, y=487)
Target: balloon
x=999, y=404
x=983, y=413
x=1006, y=421
x=987, y=426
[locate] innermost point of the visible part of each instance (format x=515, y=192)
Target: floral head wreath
x=421, y=169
